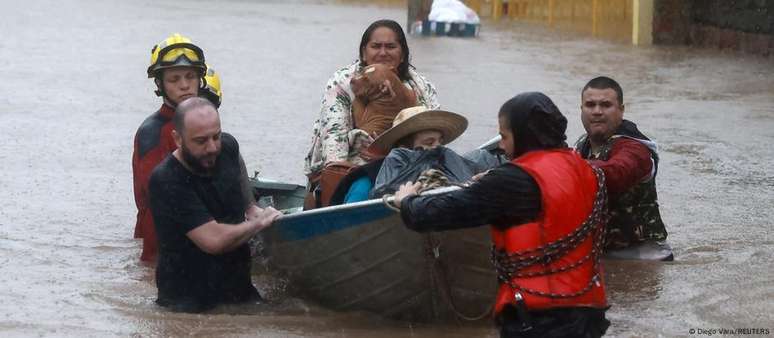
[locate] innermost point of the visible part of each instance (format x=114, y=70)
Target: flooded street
x=74, y=91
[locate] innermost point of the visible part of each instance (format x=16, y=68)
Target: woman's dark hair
x=403, y=67
x=536, y=123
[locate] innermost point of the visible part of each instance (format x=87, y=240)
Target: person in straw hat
x=409, y=146
x=420, y=128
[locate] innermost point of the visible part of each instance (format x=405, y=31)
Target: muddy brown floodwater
x=74, y=90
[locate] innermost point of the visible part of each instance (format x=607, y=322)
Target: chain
x=511, y=265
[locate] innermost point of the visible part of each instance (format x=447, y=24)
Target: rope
x=449, y=298
x=388, y=204
x=431, y=179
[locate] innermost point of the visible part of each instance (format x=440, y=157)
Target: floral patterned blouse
x=334, y=139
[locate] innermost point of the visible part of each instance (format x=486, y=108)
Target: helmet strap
x=159, y=81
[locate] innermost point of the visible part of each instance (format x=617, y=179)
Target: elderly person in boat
x=336, y=137
x=546, y=209
x=412, y=145
x=630, y=161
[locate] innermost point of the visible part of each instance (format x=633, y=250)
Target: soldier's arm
x=629, y=164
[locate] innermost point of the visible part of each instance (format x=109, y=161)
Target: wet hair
x=186, y=106
x=535, y=121
x=403, y=67
x=604, y=82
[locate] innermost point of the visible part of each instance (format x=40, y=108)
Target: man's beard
x=195, y=163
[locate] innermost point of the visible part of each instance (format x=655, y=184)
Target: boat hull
x=360, y=257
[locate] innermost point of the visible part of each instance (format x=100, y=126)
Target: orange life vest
x=554, y=261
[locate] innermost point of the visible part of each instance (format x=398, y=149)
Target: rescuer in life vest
x=546, y=209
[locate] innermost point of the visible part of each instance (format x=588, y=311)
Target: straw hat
x=419, y=118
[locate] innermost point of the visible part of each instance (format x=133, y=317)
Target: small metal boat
x=360, y=257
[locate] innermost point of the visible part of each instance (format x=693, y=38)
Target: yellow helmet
x=211, y=89
x=175, y=51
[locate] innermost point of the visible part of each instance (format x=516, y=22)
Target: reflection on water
x=632, y=281
x=75, y=92
x=699, y=255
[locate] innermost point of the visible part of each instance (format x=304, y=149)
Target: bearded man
x=203, y=217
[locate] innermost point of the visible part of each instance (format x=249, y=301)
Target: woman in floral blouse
x=335, y=138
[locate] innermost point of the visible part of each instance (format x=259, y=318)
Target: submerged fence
x=746, y=25
x=621, y=20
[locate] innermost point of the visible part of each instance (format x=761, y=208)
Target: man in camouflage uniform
x=630, y=162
